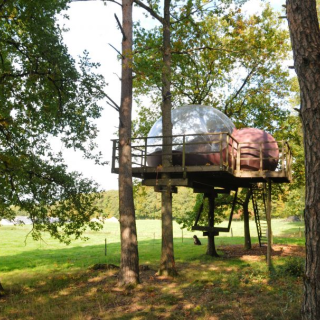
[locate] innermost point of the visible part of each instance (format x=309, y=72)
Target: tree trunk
x=247, y=237
x=129, y=266
x=211, y=248
x=167, y=265
x=269, y=234
x=305, y=39
x=1, y=290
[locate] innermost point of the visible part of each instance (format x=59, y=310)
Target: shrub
x=293, y=266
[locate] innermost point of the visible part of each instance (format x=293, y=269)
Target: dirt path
x=235, y=251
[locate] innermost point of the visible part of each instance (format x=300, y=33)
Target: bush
x=293, y=266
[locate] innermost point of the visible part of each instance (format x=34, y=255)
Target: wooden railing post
x=232, y=154
x=227, y=151
x=261, y=157
x=221, y=159
x=145, y=150
x=183, y=151
x=238, y=156
x=288, y=161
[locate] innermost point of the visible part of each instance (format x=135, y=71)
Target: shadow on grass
x=85, y=256
x=206, y=289
x=79, y=257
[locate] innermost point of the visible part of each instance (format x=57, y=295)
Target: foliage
x=229, y=61
x=295, y=204
x=144, y=121
x=293, y=266
x=285, y=203
x=45, y=97
x=293, y=194
x=109, y=204
x=147, y=203
x=291, y=130
x=221, y=211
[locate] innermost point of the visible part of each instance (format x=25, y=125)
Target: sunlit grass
x=19, y=254
x=49, y=280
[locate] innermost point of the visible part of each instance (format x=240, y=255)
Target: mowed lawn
x=49, y=280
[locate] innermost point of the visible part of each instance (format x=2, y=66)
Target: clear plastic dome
x=195, y=123
x=192, y=120
x=204, y=130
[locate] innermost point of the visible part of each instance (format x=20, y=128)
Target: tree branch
x=240, y=202
x=100, y=0
x=119, y=4
x=240, y=89
x=117, y=76
x=122, y=56
x=199, y=9
x=2, y=4
x=203, y=48
x=124, y=38
x=150, y=10
x=112, y=104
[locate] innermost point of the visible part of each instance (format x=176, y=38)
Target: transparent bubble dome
x=191, y=120
x=194, y=119
x=200, y=132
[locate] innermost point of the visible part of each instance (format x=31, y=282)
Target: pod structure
x=202, y=134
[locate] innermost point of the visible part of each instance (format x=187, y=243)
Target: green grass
x=18, y=254
x=49, y=280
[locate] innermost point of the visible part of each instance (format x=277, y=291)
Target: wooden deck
x=225, y=169
x=226, y=174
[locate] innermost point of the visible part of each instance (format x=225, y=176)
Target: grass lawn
x=48, y=280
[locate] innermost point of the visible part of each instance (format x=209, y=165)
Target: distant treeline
x=148, y=203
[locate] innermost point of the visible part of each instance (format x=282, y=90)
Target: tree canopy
x=45, y=95
x=185, y=203
x=231, y=61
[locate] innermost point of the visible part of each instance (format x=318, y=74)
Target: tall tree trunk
x=167, y=264
x=1, y=290
x=129, y=267
x=268, y=216
x=211, y=248
x=247, y=237
x=305, y=39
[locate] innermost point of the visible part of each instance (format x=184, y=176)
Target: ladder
x=258, y=193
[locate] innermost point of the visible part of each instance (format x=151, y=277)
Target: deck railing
x=229, y=153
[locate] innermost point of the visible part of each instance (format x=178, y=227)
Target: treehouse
x=211, y=156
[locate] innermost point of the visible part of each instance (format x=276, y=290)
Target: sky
x=92, y=27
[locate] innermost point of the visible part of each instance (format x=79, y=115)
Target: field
x=48, y=280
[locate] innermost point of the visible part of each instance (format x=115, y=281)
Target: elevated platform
x=211, y=164
x=226, y=171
